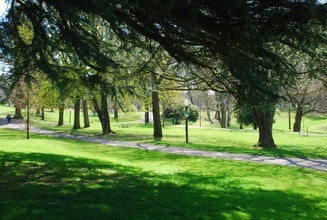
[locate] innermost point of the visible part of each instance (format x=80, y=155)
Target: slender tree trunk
x=115, y=112
x=42, y=113
x=103, y=114
x=223, y=117
x=208, y=115
x=264, y=119
x=289, y=117
x=218, y=114
x=221, y=114
x=28, y=119
x=298, y=119
x=228, y=118
x=97, y=109
x=77, y=110
x=157, y=129
x=61, y=114
x=86, y=114
x=106, y=128
x=223, y=109
x=241, y=126
x=147, y=117
x=146, y=114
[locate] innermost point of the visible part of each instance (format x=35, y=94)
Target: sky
x=3, y=7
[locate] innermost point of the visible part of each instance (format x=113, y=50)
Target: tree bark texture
x=77, y=108
x=103, y=115
x=264, y=119
x=86, y=114
x=18, y=113
x=106, y=128
x=28, y=119
x=298, y=119
x=208, y=115
x=42, y=113
x=61, y=114
x=146, y=113
x=223, y=109
x=157, y=129
x=146, y=116
x=116, y=114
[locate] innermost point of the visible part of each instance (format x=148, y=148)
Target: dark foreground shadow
x=45, y=186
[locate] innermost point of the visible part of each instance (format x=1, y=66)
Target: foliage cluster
x=178, y=114
x=101, y=48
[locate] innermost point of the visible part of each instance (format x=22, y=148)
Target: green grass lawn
x=289, y=144
x=52, y=178
x=5, y=110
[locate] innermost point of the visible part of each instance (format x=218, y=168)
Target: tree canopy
x=237, y=43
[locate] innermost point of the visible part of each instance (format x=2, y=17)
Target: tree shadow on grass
x=290, y=151
x=44, y=186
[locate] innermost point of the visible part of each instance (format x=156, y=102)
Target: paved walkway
x=318, y=164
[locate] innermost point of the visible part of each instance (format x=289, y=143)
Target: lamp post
x=186, y=114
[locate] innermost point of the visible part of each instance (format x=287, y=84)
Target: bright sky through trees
x=3, y=7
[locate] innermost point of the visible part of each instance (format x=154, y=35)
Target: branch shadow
x=47, y=186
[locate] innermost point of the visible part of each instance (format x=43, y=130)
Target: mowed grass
x=52, y=178
x=5, y=110
x=209, y=137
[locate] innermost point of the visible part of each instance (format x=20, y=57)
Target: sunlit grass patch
x=53, y=178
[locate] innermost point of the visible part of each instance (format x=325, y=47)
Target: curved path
x=318, y=164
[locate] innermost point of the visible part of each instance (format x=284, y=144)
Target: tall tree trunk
x=61, y=114
x=298, y=119
x=223, y=116
x=223, y=109
x=97, y=109
x=147, y=116
x=264, y=119
x=146, y=113
x=157, y=129
x=289, y=117
x=77, y=110
x=228, y=118
x=208, y=115
x=115, y=113
x=106, y=129
x=42, y=113
x=18, y=113
x=218, y=114
x=28, y=119
x=86, y=114
x=103, y=114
